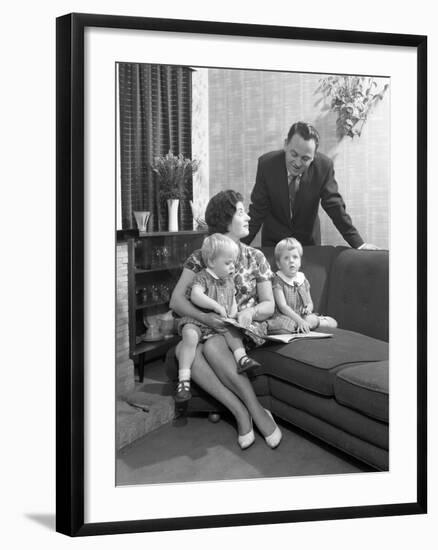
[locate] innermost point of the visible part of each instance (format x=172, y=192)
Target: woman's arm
x=182, y=306
x=263, y=310
x=266, y=306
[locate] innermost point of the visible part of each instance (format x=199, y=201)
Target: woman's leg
x=221, y=360
x=203, y=375
x=233, y=338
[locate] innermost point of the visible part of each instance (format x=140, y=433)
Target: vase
x=172, y=207
x=141, y=218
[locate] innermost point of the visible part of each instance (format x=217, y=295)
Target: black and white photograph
x=241, y=294
x=260, y=196
x=219, y=275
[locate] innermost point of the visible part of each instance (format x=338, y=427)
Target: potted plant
x=352, y=97
x=173, y=173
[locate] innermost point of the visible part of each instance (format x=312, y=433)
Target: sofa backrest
x=350, y=285
x=358, y=294
x=316, y=265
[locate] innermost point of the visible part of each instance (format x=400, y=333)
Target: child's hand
x=307, y=310
x=244, y=317
x=213, y=321
x=303, y=326
x=221, y=311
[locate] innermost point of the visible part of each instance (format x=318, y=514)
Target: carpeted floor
x=194, y=449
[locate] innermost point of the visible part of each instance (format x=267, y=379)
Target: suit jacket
x=270, y=202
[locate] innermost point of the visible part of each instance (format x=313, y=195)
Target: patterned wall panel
x=200, y=140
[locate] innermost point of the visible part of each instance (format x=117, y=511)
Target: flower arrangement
x=173, y=174
x=352, y=97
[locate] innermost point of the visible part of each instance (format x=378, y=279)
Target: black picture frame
x=70, y=273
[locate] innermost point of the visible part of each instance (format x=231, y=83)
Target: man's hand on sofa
x=368, y=246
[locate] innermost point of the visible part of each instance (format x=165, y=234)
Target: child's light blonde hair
x=217, y=244
x=287, y=244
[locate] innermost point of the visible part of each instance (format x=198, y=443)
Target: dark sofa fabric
x=336, y=388
x=338, y=438
x=365, y=389
x=312, y=364
x=330, y=410
x=358, y=296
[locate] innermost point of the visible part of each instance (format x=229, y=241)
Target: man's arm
x=260, y=205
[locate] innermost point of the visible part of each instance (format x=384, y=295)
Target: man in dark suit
x=290, y=185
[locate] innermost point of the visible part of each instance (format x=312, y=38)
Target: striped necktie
x=293, y=182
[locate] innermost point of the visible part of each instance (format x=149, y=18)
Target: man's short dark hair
x=220, y=210
x=306, y=131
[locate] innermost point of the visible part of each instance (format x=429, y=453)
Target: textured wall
x=200, y=149
x=250, y=113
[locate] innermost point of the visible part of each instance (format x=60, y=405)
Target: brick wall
x=124, y=365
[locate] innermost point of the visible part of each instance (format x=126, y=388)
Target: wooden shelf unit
x=155, y=263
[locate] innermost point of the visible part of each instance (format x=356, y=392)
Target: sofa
x=333, y=388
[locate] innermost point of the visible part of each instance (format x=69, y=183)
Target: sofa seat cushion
x=312, y=364
x=364, y=388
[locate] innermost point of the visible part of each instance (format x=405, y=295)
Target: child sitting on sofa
x=213, y=290
x=292, y=293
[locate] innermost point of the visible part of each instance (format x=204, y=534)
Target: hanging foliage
x=352, y=98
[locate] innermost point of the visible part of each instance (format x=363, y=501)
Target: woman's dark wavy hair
x=220, y=210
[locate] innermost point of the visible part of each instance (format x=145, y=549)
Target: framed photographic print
x=169, y=131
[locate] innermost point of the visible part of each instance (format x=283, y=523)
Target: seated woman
x=214, y=367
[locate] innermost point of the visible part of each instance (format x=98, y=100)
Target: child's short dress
x=252, y=268
x=297, y=295
x=221, y=290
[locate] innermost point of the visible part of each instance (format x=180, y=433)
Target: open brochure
x=285, y=338
x=291, y=336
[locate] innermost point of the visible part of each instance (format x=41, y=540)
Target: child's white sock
x=239, y=353
x=184, y=375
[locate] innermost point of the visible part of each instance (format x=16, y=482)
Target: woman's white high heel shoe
x=274, y=439
x=246, y=440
